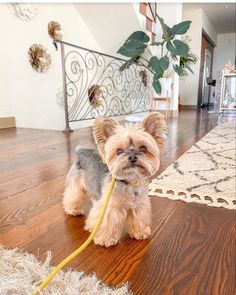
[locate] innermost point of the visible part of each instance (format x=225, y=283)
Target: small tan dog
x=132, y=155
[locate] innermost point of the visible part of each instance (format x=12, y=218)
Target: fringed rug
x=205, y=174
x=21, y=272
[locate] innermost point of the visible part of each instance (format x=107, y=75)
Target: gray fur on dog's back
x=94, y=170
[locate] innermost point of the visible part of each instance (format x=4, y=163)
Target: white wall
x=224, y=52
x=200, y=21
x=110, y=23
x=5, y=104
x=209, y=28
x=189, y=85
x=172, y=14
x=24, y=93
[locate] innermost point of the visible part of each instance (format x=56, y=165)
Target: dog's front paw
x=105, y=242
x=140, y=234
x=74, y=211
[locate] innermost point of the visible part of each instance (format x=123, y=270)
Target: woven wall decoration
x=39, y=58
x=95, y=95
x=24, y=11
x=55, y=31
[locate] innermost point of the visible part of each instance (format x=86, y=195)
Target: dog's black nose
x=132, y=158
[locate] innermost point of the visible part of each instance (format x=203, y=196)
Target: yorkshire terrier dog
x=131, y=154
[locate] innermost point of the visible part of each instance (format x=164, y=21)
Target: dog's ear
x=155, y=124
x=103, y=128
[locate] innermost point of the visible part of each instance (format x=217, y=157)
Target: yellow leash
x=82, y=247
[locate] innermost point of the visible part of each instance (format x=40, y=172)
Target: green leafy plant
x=185, y=64
x=138, y=45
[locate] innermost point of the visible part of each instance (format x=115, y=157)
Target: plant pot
x=166, y=90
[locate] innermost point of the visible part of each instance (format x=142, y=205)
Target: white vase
x=166, y=90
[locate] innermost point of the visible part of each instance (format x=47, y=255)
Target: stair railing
x=94, y=85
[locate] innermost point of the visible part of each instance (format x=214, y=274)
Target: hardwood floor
x=192, y=247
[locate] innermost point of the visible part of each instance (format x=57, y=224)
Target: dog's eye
x=119, y=151
x=143, y=149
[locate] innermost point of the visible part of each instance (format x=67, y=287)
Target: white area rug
x=205, y=174
x=21, y=272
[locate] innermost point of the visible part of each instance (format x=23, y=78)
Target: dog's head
x=131, y=152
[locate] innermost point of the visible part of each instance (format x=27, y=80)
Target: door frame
x=202, y=61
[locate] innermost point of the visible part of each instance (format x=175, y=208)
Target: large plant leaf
x=164, y=62
x=180, y=28
x=156, y=84
x=132, y=48
x=164, y=26
x=165, y=29
x=158, y=65
x=135, y=45
x=140, y=36
x=154, y=65
x=177, y=47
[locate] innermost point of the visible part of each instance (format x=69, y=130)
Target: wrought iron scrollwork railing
x=122, y=92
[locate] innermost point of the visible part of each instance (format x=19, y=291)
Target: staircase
x=149, y=11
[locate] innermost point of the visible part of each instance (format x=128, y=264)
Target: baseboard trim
x=172, y=113
x=7, y=122
x=188, y=107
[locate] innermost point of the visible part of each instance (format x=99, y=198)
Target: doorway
x=205, y=79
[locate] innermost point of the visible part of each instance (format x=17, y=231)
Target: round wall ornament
x=39, y=58
x=24, y=11
x=55, y=31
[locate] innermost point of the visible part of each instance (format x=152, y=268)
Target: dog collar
x=133, y=183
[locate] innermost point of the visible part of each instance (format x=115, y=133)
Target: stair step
x=143, y=8
x=148, y=24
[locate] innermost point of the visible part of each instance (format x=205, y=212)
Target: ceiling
x=221, y=15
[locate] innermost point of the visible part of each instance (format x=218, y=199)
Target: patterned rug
x=205, y=174
x=21, y=272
